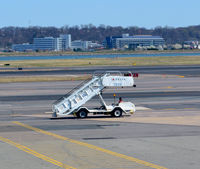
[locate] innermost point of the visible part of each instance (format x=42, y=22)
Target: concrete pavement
x=164, y=136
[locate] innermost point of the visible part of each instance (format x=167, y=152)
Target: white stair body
x=78, y=97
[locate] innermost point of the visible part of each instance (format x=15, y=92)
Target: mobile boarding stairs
x=72, y=102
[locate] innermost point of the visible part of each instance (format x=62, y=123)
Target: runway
x=166, y=123
x=171, y=70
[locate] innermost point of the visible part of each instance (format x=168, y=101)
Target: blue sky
x=141, y=13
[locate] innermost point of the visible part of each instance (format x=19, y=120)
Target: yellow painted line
x=169, y=87
x=138, y=161
x=188, y=108
x=36, y=154
x=180, y=76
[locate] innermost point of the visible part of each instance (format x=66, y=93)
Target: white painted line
x=142, y=108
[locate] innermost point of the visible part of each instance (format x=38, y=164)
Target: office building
x=54, y=44
x=120, y=42
x=65, y=41
x=79, y=44
x=110, y=41
x=45, y=44
x=23, y=47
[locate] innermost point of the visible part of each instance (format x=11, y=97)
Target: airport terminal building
x=120, y=42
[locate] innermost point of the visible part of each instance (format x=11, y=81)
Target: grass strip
x=117, y=61
x=98, y=52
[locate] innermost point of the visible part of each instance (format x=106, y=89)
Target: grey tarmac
x=165, y=131
x=185, y=70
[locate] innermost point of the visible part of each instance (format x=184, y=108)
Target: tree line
x=18, y=35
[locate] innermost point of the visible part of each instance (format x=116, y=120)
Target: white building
x=54, y=44
x=62, y=43
x=93, y=45
x=79, y=44
x=65, y=41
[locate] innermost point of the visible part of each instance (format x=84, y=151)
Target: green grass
x=118, y=61
x=100, y=52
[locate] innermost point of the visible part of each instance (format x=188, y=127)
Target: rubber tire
x=82, y=114
x=116, y=113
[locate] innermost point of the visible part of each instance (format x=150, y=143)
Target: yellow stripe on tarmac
x=36, y=154
x=138, y=161
x=180, y=76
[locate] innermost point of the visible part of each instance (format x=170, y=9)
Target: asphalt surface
x=164, y=131
x=106, y=95
x=179, y=70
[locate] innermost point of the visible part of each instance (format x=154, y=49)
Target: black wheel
x=116, y=113
x=82, y=114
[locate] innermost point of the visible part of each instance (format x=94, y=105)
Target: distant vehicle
x=73, y=102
